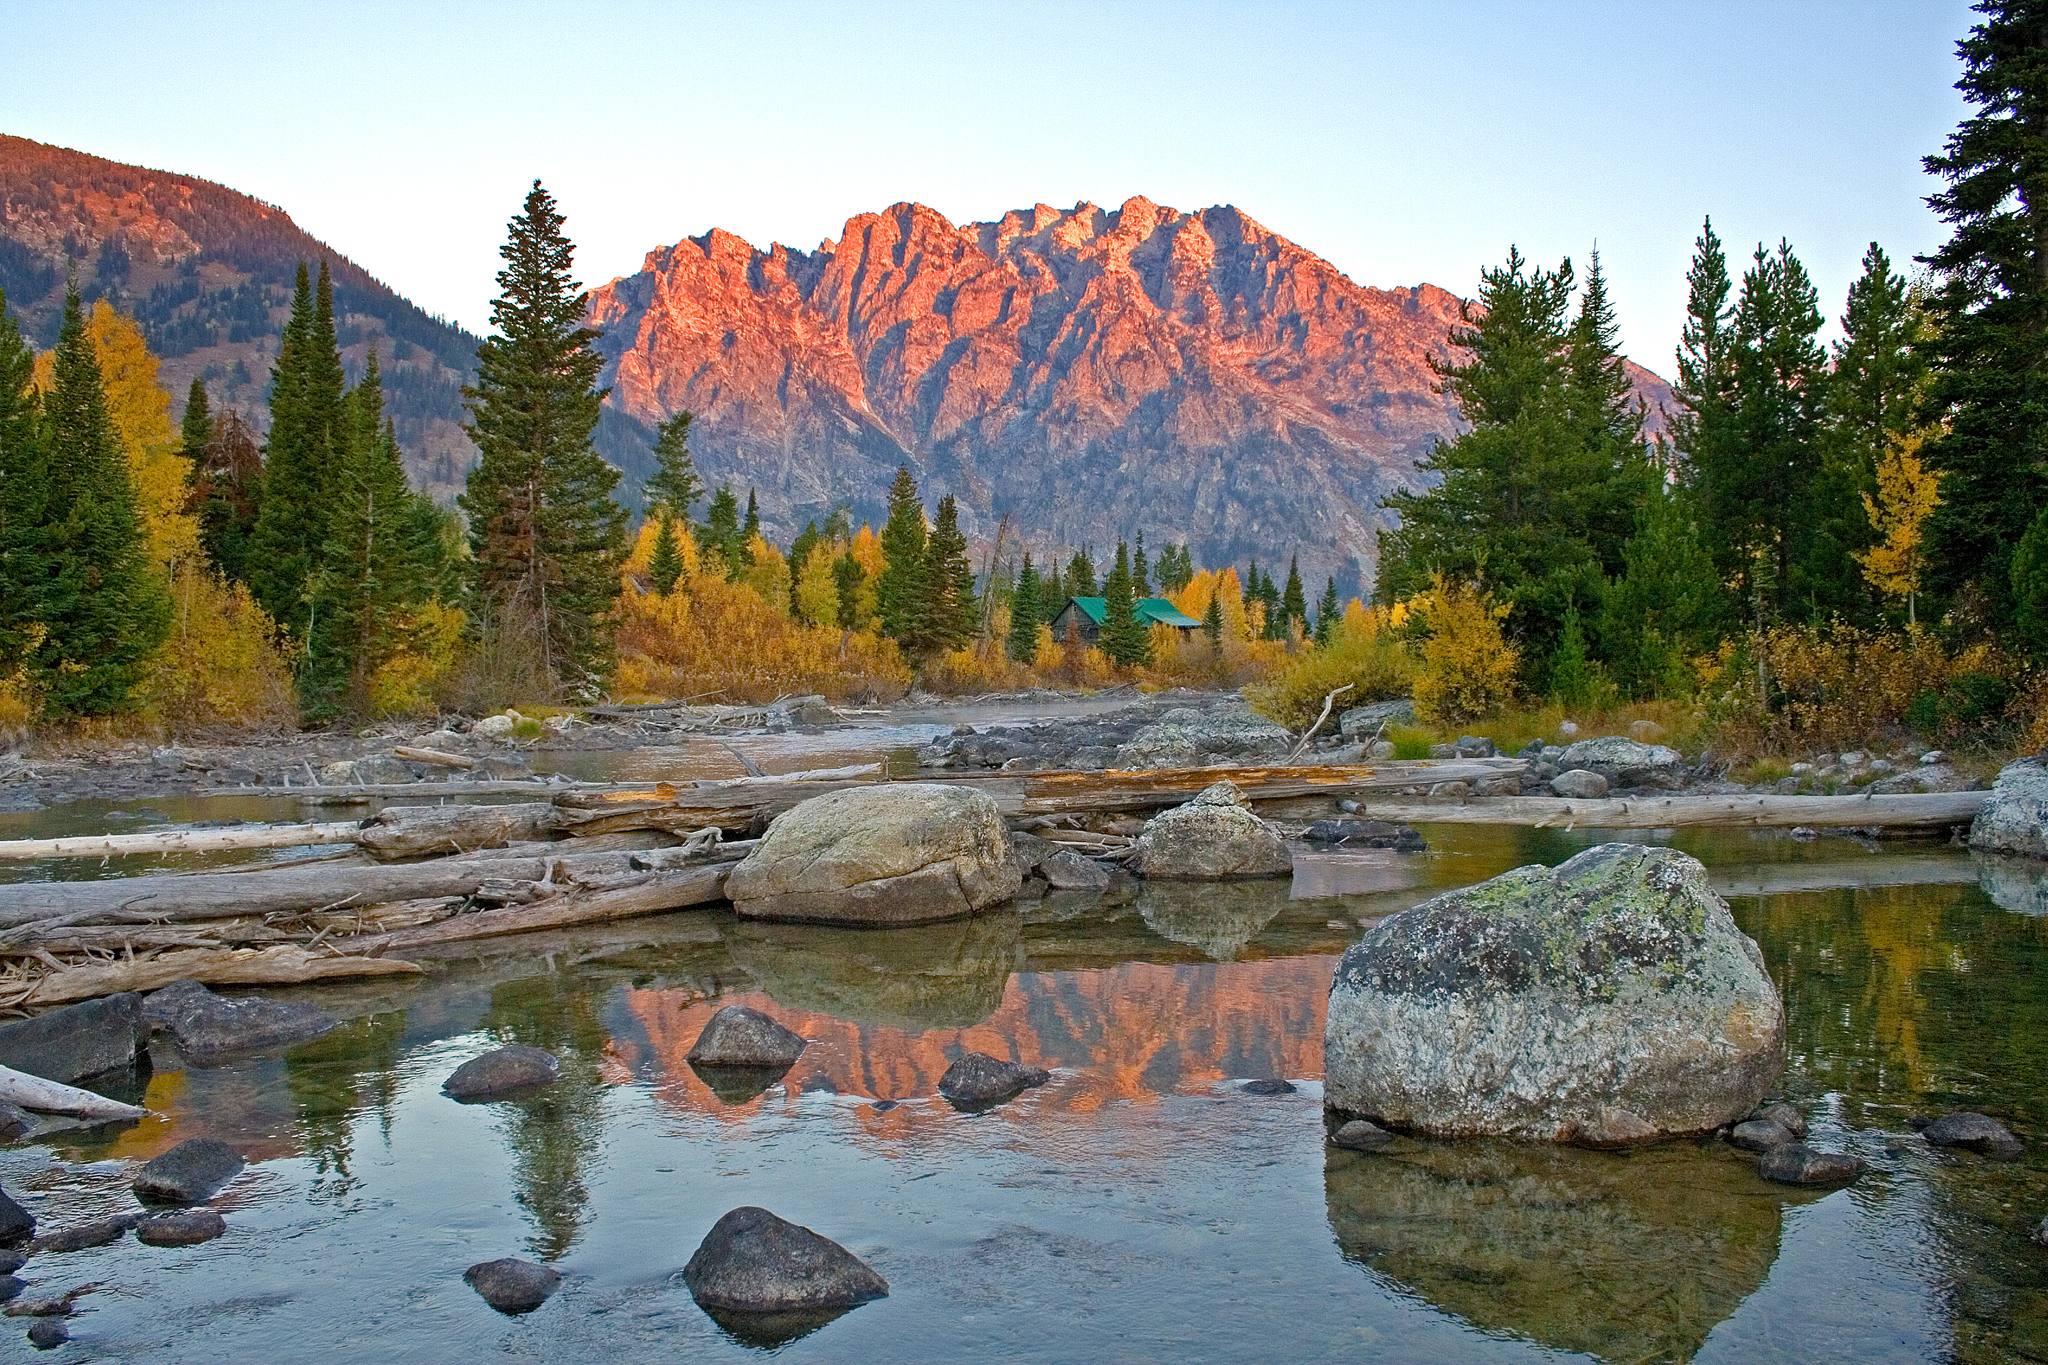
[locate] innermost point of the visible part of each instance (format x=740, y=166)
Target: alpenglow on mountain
x=1090, y=372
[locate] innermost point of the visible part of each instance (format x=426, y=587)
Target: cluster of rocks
x=1155, y=733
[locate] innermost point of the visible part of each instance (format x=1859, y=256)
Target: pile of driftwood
x=417, y=877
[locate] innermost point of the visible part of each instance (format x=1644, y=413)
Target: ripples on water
x=1139, y=1208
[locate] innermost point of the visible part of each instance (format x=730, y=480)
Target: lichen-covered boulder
x=1363, y=722
x=2015, y=815
x=1214, y=836
x=891, y=853
x=1608, y=1001
x=1191, y=736
x=1623, y=761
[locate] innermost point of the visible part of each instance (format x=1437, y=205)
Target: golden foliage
x=1467, y=668
x=404, y=684
x=981, y=666
x=1362, y=652
x=1192, y=661
x=18, y=701
x=1907, y=494
x=768, y=575
x=223, y=664
x=637, y=563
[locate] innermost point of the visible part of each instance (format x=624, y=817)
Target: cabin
x=1086, y=613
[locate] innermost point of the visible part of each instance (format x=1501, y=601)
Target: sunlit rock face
x=1089, y=371
x=1610, y=1000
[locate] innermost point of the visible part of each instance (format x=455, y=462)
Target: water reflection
x=938, y=976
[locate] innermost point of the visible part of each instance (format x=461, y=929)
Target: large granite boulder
x=1608, y=1001
x=2015, y=816
x=891, y=853
x=1214, y=836
x=512, y=1072
x=753, y=1262
x=1624, y=762
x=1193, y=736
x=77, y=1041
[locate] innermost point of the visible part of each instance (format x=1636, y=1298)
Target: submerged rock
x=979, y=1079
x=1785, y=1116
x=1975, y=1132
x=1361, y=1136
x=77, y=1041
x=186, y=1229
x=98, y=1232
x=511, y=1285
x=1795, y=1163
x=47, y=1333
x=1608, y=1001
x=754, y=1262
x=192, y=1172
x=1761, y=1135
x=1212, y=837
x=895, y=853
x=506, y=1072
x=738, y=1036
x=1365, y=834
x=2015, y=816
x=17, y=1224
x=203, y=1024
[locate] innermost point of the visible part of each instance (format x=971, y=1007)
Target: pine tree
x=1294, y=602
x=1124, y=639
x=674, y=486
x=949, y=613
x=1274, y=603
x=291, y=521
x=1250, y=593
x=1572, y=679
x=1081, y=575
x=2030, y=590
x=1022, y=645
x=24, y=479
x=1780, y=386
x=1703, y=428
x=195, y=429
x=1212, y=623
x=1328, y=613
x=847, y=574
x=103, y=610
x=546, y=537
x=749, y=529
x=721, y=530
x=808, y=541
x=1667, y=602
x=665, y=566
x=1141, y=580
x=900, y=592
x=1990, y=315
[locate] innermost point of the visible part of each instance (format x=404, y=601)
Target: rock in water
x=77, y=1041
x=979, y=1079
x=738, y=1036
x=501, y=1073
x=190, y=1173
x=753, y=1262
x=1976, y=1132
x=1608, y=1001
x=1795, y=1163
x=1365, y=834
x=14, y=1121
x=1070, y=871
x=1361, y=1136
x=511, y=1285
x=79, y=1236
x=1785, y=1116
x=1214, y=836
x=896, y=853
x=2015, y=816
x=186, y=1229
x=46, y=1333
x=1760, y=1135
x=1267, y=1087
x=17, y=1224
x=203, y=1024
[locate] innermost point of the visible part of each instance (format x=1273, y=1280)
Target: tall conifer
x=1328, y=613
x=900, y=590
x=24, y=481
x=1294, y=602
x=949, y=600
x=1125, y=639
x=1022, y=644
x=674, y=485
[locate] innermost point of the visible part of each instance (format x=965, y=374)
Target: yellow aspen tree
x=1907, y=494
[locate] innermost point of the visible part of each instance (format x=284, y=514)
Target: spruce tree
x=1667, y=602
x=195, y=429
x=1141, y=579
x=721, y=530
x=1022, y=645
x=808, y=541
x=847, y=575
x=1250, y=592
x=665, y=566
x=290, y=524
x=750, y=528
x=24, y=480
x=900, y=589
x=1703, y=428
x=674, y=486
x=1780, y=386
x=1125, y=639
x=103, y=609
x=546, y=538
x=1328, y=613
x=1294, y=602
x=1212, y=623
x=1571, y=673
x=948, y=616
x=1990, y=314
x=1081, y=575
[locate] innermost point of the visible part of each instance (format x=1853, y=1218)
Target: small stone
x=1361, y=1136
x=190, y=1173
x=1070, y=871
x=495, y=727
x=754, y=1262
x=1975, y=1132
x=504, y=1072
x=1785, y=1116
x=383, y=770
x=511, y=1285
x=14, y=1121
x=1919, y=1122
x=979, y=1079
x=1451, y=789
x=180, y=1229
x=738, y=1036
x=48, y=1333
x=1795, y=1163
x=1579, y=785
x=97, y=1233
x=1760, y=1135
x=1933, y=757
x=1267, y=1087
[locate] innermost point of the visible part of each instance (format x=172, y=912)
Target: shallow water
x=1139, y=1207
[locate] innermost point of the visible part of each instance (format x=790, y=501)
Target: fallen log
x=166, y=898
x=438, y=757
x=49, y=1097
x=647, y=895
x=221, y=840
x=1662, y=812
x=419, y=831
x=277, y=966
x=1792, y=878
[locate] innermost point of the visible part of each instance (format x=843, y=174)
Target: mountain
x=208, y=273
x=1089, y=373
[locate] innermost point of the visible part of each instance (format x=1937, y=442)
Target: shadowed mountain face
x=1091, y=373
x=208, y=273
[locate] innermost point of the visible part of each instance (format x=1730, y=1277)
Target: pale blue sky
x=1405, y=142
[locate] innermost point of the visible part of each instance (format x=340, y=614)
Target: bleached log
x=438, y=757
x=420, y=831
x=1662, y=812
x=50, y=1097
x=221, y=840
x=282, y=890
x=646, y=895
x=282, y=965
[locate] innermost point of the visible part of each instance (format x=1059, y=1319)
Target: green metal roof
x=1155, y=611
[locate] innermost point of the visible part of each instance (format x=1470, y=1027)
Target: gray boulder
x=979, y=1079
x=192, y=1172
x=77, y=1041
x=1934, y=777
x=98, y=1232
x=1795, y=1163
x=1624, y=762
x=1363, y=722
x=203, y=1024
x=1214, y=836
x=502, y=1073
x=891, y=853
x=1360, y=1136
x=2015, y=816
x=1580, y=784
x=738, y=1036
x=754, y=1262
x=1608, y=1001
x=14, y=1121
x=47, y=1333
x=1189, y=736
x=1071, y=871
x=499, y=768
x=1785, y=1116
x=380, y=769
x=1761, y=1135
x=186, y=1229
x=1974, y=1132
x=511, y=1285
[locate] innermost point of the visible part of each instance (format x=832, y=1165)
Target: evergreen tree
x=1990, y=314
x=665, y=565
x=290, y=533
x=546, y=537
x=1212, y=623
x=1703, y=428
x=721, y=530
x=674, y=486
x=847, y=574
x=839, y=526
x=1081, y=575
x=948, y=616
x=1780, y=385
x=103, y=609
x=226, y=491
x=807, y=542
x=749, y=529
x=196, y=427
x=900, y=588
x=1667, y=602
x=1251, y=591
x=24, y=480
x=1572, y=679
x=1328, y=613
x=1141, y=580
x=2030, y=590
x=1294, y=602
x=1125, y=639
x=1276, y=614
x=1024, y=614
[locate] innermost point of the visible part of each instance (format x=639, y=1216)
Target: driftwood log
x=282, y=965
x=50, y=1097
x=1670, y=812
x=646, y=893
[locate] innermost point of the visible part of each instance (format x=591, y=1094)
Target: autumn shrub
x=1467, y=669
x=405, y=684
x=982, y=666
x=1373, y=661
x=223, y=663
x=18, y=701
